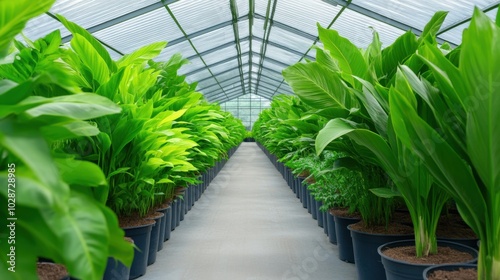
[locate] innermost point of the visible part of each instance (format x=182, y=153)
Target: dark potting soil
x=304, y=174
x=343, y=212
x=50, y=271
x=164, y=204
x=402, y=217
x=133, y=221
x=453, y=226
x=444, y=255
x=153, y=215
x=391, y=229
x=460, y=274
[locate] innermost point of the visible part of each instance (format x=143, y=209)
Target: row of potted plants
x=91, y=146
x=417, y=111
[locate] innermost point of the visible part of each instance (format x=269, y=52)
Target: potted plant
x=463, y=156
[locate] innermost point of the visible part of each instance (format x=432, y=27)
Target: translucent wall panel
x=290, y=40
x=247, y=108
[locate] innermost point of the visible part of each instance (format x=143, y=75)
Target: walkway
x=248, y=225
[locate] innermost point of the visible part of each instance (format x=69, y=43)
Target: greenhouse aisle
x=248, y=225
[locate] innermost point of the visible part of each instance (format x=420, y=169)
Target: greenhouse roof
x=239, y=47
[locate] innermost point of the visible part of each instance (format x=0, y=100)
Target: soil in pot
x=51, y=271
x=400, y=261
x=342, y=219
x=445, y=255
x=366, y=240
x=460, y=274
x=451, y=227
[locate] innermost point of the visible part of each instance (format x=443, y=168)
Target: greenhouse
x=257, y=140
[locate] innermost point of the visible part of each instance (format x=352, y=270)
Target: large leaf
x=84, y=233
x=142, y=55
x=350, y=59
x=81, y=106
x=482, y=78
x=318, y=86
x=97, y=46
x=91, y=58
x=13, y=18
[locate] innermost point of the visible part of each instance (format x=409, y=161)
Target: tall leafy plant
x=453, y=127
x=355, y=85
x=41, y=109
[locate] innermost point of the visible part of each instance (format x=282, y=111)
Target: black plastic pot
x=168, y=223
x=319, y=213
x=116, y=270
x=173, y=223
x=344, y=240
x=330, y=228
x=401, y=270
x=180, y=211
x=365, y=245
x=142, y=238
x=155, y=237
x=446, y=267
x=325, y=224
x=163, y=222
x=314, y=207
x=308, y=198
x=304, y=197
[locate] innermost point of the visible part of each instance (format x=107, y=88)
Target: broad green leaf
x=91, y=58
x=142, y=55
x=28, y=145
x=385, y=192
x=397, y=53
x=349, y=57
x=82, y=106
x=84, y=233
x=97, y=46
x=432, y=27
x=482, y=80
x=13, y=17
x=318, y=87
x=70, y=130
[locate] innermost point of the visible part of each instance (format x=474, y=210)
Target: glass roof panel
x=418, y=13
x=290, y=40
x=305, y=16
x=243, y=28
x=183, y=48
x=243, y=7
x=219, y=55
x=261, y=6
x=194, y=15
x=145, y=29
x=91, y=13
x=198, y=76
x=193, y=64
x=282, y=55
x=456, y=33
x=40, y=26
x=224, y=66
x=355, y=27
x=213, y=39
x=258, y=26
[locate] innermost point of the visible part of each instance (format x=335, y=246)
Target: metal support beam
x=287, y=27
x=123, y=18
x=191, y=43
x=234, y=14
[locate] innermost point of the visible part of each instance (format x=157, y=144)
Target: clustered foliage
x=86, y=139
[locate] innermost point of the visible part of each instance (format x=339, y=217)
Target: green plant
x=452, y=126
x=41, y=110
x=353, y=85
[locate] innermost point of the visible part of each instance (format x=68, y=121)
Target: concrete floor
x=248, y=225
